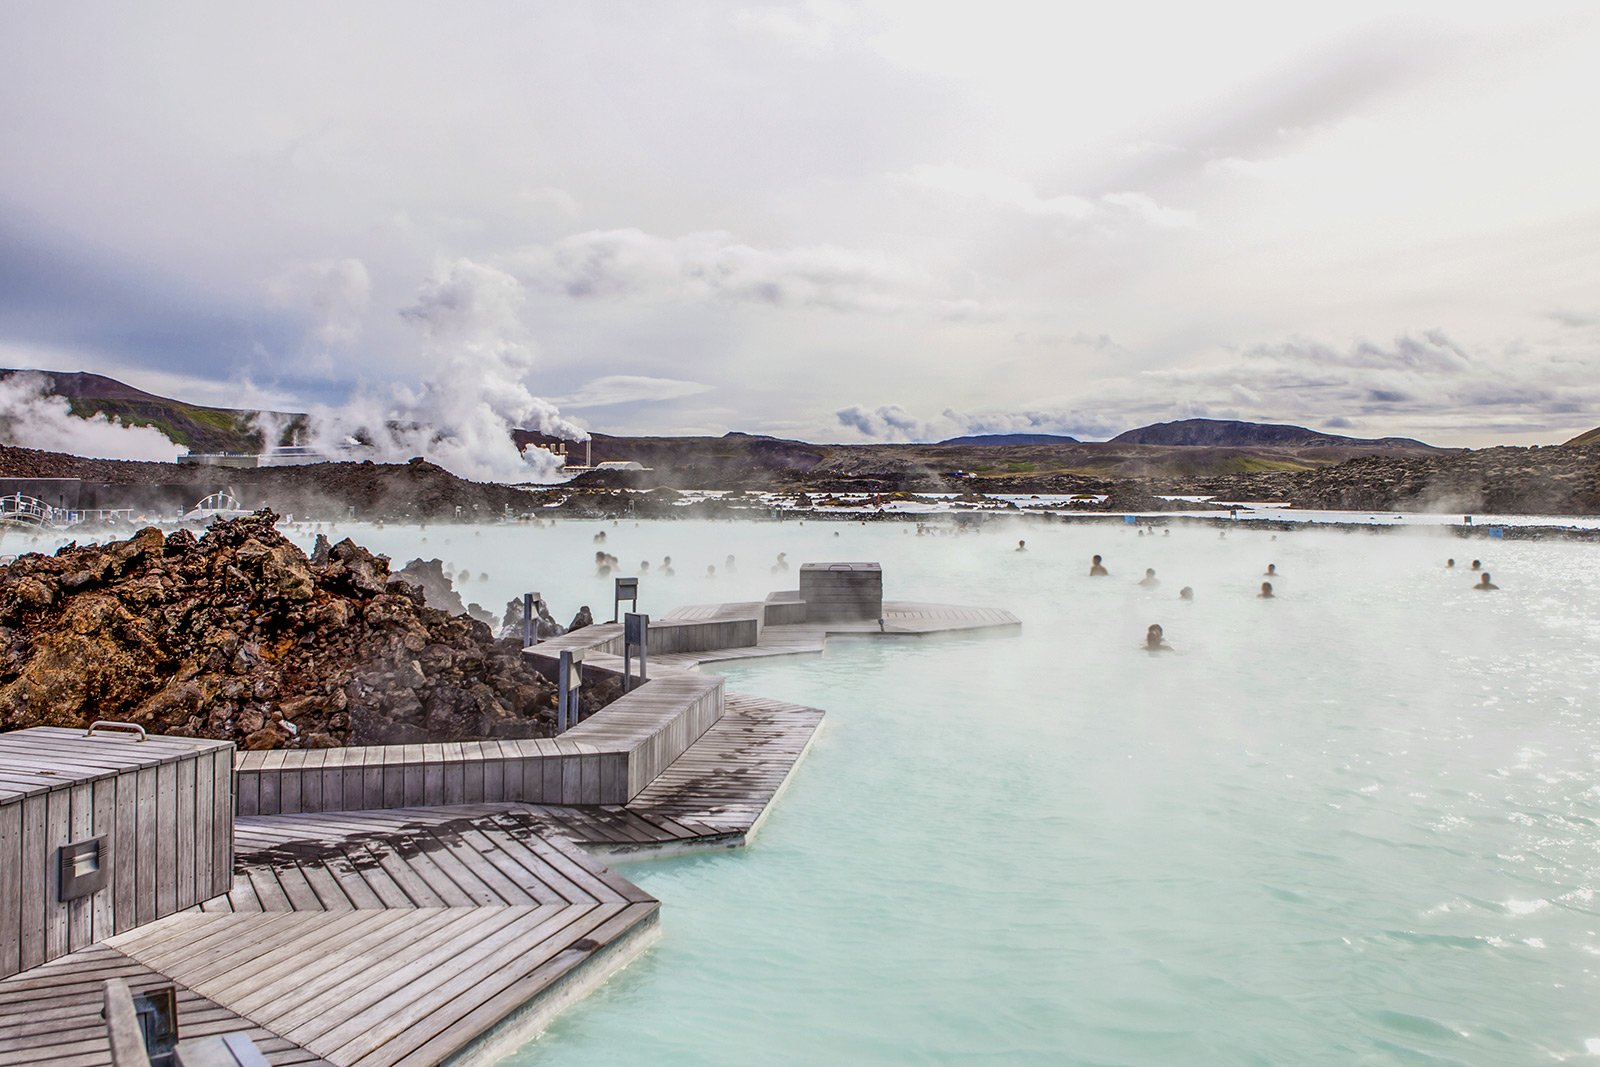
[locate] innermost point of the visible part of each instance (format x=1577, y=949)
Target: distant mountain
x=1227, y=433
x=1590, y=438
x=1012, y=439
x=199, y=428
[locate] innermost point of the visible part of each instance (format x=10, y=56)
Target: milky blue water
x=1355, y=824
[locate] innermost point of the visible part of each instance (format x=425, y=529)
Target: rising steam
x=460, y=418
x=33, y=418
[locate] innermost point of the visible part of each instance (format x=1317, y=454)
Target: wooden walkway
x=50, y=1015
x=399, y=937
x=900, y=619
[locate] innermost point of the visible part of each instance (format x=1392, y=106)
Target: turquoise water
x=1355, y=824
x=1352, y=825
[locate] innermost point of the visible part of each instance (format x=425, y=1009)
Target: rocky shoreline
x=237, y=635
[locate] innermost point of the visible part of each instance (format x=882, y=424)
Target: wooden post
x=571, y=680
x=122, y=1027
x=635, y=634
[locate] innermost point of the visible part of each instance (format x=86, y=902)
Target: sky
x=836, y=222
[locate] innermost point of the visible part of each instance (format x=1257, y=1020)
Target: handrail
x=109, y=724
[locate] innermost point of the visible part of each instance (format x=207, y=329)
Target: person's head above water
x=1022, y=546
x=1477, y=564
x=1449, y=563
x=1484, y=582
x=1272, y=568
x=1266, y=590
x=1186, y=593
x=1154, y=638
x=1096, y=559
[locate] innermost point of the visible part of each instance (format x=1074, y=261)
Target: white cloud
x=1001, y=191
x=334, y=292
x=630, y=389
x=715, y=265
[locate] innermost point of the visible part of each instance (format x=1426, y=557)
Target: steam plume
x=33, y=418
x=461, y=418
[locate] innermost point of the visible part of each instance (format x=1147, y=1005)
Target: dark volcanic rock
x=237, y=635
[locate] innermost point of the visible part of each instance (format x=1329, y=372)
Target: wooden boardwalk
x=398, y=937
x=50, y=1015
x=900, y=619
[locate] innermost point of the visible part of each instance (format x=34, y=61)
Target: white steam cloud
x=461, y=418
x=33, y=418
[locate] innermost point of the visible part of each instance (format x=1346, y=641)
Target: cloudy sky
x=832, y=221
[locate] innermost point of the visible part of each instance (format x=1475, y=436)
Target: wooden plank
x=102, y=905
x=33, y=883
x=57, y=831
x=80, y=910
x=205, y=817
x=166, y=839
x=184, y=832
x=223, y=809
x=11, y=911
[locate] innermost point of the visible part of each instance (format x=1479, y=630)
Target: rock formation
x=237, y=635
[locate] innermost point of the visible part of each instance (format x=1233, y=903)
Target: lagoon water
x=1356, y=824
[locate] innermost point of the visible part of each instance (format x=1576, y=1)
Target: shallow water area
x=1352, y=824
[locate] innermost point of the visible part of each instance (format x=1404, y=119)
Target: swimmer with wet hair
x=1266, y=591
x=1449, y=564
x=1097, y=569
x=1022, y=546
x=666, y=566
x=1272, y=570
x=1150, y=581
x=1186, y=593
x=1155, y=640
x=782, y=566
x=1477, y=564
x=1484, y=583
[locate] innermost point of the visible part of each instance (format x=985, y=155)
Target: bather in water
x=1266, y=591
x=1186, y=593
x=1150, y=581
x=1272, y=570
x=1154, y=639
x=1484, y=583
x=1097, y=569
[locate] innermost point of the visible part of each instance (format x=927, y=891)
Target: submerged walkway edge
x=428, y=904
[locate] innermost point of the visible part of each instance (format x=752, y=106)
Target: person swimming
x=1022, y=546
x=782, y=566
x=1477, y=564
x=644, y=566
x=1484, y=583
x=666, y=566
x=1186, y=593
x=1449, y=564
x=711, y=570
x=1096, y=569
x=602, y=566
x=1155, y=640
x=1266, y=591
x=728, y=566
x=1272, y=570
x=1150, y=581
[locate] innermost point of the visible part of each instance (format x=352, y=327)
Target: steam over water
x=1353, y=824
